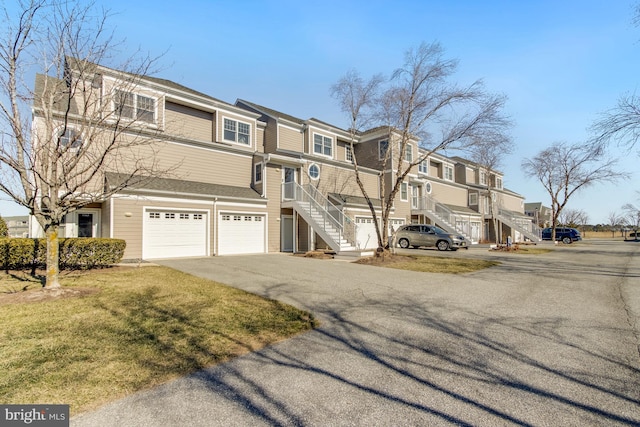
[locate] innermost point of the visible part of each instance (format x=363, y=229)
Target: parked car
x=416, y=235
x=565, y=234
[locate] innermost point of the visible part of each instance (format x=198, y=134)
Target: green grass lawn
x=429, y=264
x=131, y=329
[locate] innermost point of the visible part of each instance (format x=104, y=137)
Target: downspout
x=215, y=222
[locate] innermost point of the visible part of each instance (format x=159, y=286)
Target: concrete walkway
x=543, y=340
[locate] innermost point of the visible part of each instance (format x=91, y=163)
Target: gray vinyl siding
x=271, y=136
x=303, y=235
x=449, y=194
x=188, y=123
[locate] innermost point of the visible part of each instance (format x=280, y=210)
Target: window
x=423, y=167
x=498, y=183
x=70, y=139
x=248, y=218
x=197, y=216
x=132, y=106
x=483, y=178
x=169, y=216
x=314, y=171
x=348, y=154
x=473, y=199
x=258, y=218
x=448, y=172
x=237, y=132
x=226, y=217
x=404, y=193
x=408, y=153
x=427, y=187
x=154, y=215
x=383, y=146
x=184, y=216
x=258, y=173
x=237, y=218
x=322, y=145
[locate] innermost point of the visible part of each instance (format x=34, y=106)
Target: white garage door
x=241, y=233
x=366, y=236
x=172, y=234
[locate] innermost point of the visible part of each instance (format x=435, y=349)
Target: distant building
x=18, y=225
x=541, y=214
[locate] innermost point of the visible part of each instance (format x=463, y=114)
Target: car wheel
x=442, y=245
x=404, y=243
x=566, y=240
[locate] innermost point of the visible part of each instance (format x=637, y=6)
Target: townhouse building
x=246, y=178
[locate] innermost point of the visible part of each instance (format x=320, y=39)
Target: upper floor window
x=404, y=191
x=314, y=171
x=499, y=183
x=70, y=139
x=258, y=173
x=483, y=178
x=133, y=106
x=348, y=154
x=473, y=199
x=408, y=153
x=423, y=167
x=322, y=145
x=237, y=131
x=383, y=147
x=448, y=172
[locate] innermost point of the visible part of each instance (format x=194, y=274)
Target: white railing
x=448, y=219
x=324, y=214
x=523, y=225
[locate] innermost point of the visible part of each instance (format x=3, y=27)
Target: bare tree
x=417, y=105
x=615, y=220
x=488, y=153
x=632, y=217
x=563, y=169
x=54, y=162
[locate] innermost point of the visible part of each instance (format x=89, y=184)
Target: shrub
x=75, y=253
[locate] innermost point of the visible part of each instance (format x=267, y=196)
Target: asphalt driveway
x=540, y=340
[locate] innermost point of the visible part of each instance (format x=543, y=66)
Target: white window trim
x=241, y=144
x=348, y=152
x=423, y=167
x=408, y=153
x=309, y=171
x=324, y=137
x=58, y=134
x=255, y=172
x=380, y=155
x=475, y=197
x=446, y=167
x=404, y=188
x=136, y=93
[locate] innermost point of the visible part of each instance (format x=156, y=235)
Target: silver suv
x=415, y=235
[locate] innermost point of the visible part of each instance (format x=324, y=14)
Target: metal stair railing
x=332, y=222
x=443, y=213
x=523, y=225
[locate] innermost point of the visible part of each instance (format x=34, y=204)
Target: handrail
x=442, y=212
x=523, y=225
x=333, y=220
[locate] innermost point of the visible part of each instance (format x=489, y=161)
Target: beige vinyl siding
x=128, y=219
x=105, y=219
x=303, y=235
x=271, y=136
x=260, y=139
x=449, y=194
x=188, y=123
x=511, y=202
x=274, y=183
x=290, y=139
x=206, y=165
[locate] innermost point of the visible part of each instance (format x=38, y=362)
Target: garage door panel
x=241, y=233
x=172, y=234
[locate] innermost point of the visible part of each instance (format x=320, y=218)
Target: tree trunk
x=53, y=258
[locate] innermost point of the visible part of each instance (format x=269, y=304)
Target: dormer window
x=322, y=145
x=448, y=172
x=408, y=153
x=423, y=167
x=483, y=178
x=237, y=132
x=499, y=183
x=132, y=106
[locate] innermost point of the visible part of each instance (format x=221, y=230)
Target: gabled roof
x=179, y=186
x=271, y=112
x=348, y=200
x=462, y=210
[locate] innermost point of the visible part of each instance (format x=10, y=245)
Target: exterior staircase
x=327, y=220
x=524, y=226
x=441, y=216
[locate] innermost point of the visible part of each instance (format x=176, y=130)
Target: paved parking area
x=540, y=340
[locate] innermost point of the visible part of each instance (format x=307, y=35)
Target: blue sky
x=560, y=63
